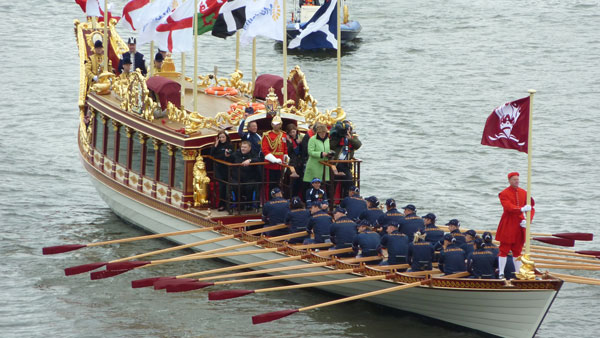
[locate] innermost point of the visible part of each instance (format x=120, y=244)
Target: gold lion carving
x=200, y=182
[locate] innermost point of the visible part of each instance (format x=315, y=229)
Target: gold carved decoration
x=116, y=125
x=176, y=198
x=189, y=154
x=147, y=185
x=142, y=138
x=134, y=179
x=135, y=96
x=85, y=134
x=171, y=149
x=201, y=181
x=527, y=270
x=161, y=191
x=97, y=158
x=120, y=172
x=129, y=131
x=156, y=143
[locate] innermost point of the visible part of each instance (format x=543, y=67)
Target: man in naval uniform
x=511, y=229
x=94, y=65
x=134, y=56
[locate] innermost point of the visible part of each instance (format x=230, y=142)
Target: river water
x=419, y=85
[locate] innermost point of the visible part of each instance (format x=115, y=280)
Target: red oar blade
x=589, y=252
x=271, y=316
x=162, y=284
x=556, y=241
x=105, y=274
x=576, y=236
x=74, y=270
x=184, y=287
x=125, y=265
x=142, y=283
x=228, y=294
x=51, y=250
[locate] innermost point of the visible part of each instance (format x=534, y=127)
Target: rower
x=493, y=248
x=420, y=253
x=373, y=212
x=391, y=215
x=452, y=257
x=432, y=232
x=343, y=230
x=366, y=241
x=453, y=227
x=411, y=223
x=481, y=263
x=353, y=203
x=274, y=212
x=297, y=219
x=319, y=224
x=469, y=238
x=396, y=244
x=315, y=193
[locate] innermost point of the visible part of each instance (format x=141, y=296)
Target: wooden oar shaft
x=493, y=232
x=568, y=267
x=583, y=260
x=290, y=276
x=561, y=275
x=312, y=246
x=317, y=284
x=562, y=253
x=264, y=271
x=244, y=245
x=227, y=254
x=550, y=261
x=580, y=281
x=242, y=266
x=266, y=229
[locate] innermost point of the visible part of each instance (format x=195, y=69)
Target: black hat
x=98, y=44
x=454, y=222
x=478, y=242
x=394, y=224
x=354, y=188
x=373, y=200
x=430, y=216
x=340, y=210
x=159, y=57
x=315, y=204
x=487, y=236
x=275, y=191
x=126, y=61
x=296, y=202
x=249, y=110
x=448, y=237
x=131, y=41
x=410, y=207
x=364, y=222
x=471, y=233
x=390, y=202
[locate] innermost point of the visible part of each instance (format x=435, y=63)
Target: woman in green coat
x=318, y=149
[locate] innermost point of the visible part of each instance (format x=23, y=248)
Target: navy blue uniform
x=482, y=263
x=392, y=215
x=274, y=212
x=420, y=256
x=297, y=220
x=320, y=224
x=433, y=234
x=137, y=62
x=355, y=206
x=396, y=244
x=367, y=242
x=510, y=265
x=342, y=232
x=410, y=224
x=254, y=139
x=468, y=247
x=313, y=194
x=371, y=215
x=452, y=260
x=460, y=237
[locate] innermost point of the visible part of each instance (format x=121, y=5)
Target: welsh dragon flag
x=208, y=13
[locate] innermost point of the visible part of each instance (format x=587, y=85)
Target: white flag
x=133, y=14
x=154, y=14
x=263, y=18
x=94, y=8
x=175, y=32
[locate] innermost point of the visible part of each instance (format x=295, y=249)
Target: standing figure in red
x=274, y=148
x=512, y=228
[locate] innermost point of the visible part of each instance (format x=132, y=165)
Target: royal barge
x=148, y=159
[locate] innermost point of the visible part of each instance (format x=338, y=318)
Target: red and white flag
x=133, y=13
x=508, y=126
x=175, y=33
x=96, y=8
x=155, y=13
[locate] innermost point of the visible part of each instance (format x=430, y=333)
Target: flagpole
x=105, y=42
x=339, y=58
x=284, y=53
x=151, y=58
x=528, y=215
x=237, y=50
x=196, y=56
x=182, y=80
x=253, y=66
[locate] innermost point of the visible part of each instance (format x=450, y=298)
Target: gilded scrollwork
x=200, y=182
x=85, y=134
x=135, y=96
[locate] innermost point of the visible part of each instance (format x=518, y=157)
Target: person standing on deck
x=511, y=229
x=136, y=58
x=94, y=64
x=251, y=136
x=126, y=70
x=274, y=148
x=158, y=63
x=318, y=150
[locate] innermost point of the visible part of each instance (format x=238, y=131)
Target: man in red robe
x=274, y=148
x=512, y=227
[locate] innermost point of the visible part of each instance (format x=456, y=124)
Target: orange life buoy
x=221, y=91
x=242, y=106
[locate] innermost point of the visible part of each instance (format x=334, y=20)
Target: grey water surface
x=418, y=84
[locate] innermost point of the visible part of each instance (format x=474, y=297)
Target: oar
x=561, y=253
x=140, y=283
x=574, y=279
x=74, y=270
x=583, y=260
x=551, y=261
x=576, y=236
x=568, y=267
x=267, y=317
x=51, y=250
x=556, y=241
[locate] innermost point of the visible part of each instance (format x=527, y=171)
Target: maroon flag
x=508, y=126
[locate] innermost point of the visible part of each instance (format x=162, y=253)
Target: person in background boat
x=222, y=150
x=373, y=212
x=453, y=227
x=247, y=174
x=134, y=56
x=411, y=223
x=94, y=64
x=366, y=241
x=511, y=229
x=274, y=149
x=315, y=193
x=488, y=244
x=344, y=142
x=433, y=234
x=391, y=215
x=319, y=224
x=353, y=203
x=275, y=211
x=126, y=68
x=420, y=253
x=452, y=257
x=297, y=219
x=481, y=263
x=251, y=135
x=396, y=244
x=318, y=150
x=469, y=238
x=158, y=63
x=342, y=231
x=294, y=146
